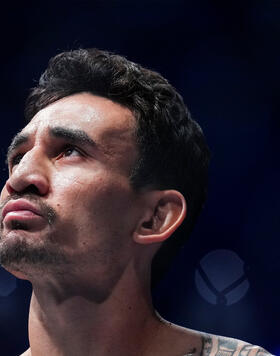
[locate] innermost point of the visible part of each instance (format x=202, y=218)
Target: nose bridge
x=30, y=162
x=31, y=170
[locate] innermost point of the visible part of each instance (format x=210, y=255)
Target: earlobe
x=169, y=211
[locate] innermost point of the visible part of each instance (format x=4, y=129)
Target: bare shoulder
x=197, y=343
x=214, y=345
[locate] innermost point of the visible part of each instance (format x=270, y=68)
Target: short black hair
x=173, y=150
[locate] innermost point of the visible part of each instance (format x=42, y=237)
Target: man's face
x=72, y=163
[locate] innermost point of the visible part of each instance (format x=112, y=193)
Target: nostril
x=31, y=189
x=9, y=188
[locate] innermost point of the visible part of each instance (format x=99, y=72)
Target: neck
x=63, y=323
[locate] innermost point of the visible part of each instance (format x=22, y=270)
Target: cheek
x=67, y=177
x=107, y=199
x=72, y=185
x=91, y=196
x=94, y=211
x=4, y=194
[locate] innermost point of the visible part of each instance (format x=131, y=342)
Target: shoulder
x=214, y=345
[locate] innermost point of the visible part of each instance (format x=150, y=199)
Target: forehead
x=110, y=125
x=96, y=115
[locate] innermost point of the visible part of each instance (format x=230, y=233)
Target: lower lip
x=21, y=215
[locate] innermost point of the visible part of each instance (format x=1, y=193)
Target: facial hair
x=21, y=252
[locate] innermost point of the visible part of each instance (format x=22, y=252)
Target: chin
x=13, y=251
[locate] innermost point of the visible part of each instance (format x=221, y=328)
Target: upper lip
x=20, y=204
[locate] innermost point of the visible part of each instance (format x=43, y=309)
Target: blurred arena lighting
x=220, y=277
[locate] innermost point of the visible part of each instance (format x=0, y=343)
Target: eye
x=70, y=151
x=15, y=159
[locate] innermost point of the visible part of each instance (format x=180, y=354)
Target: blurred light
x=220, y=277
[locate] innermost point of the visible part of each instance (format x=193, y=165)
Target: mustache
x=46, y=210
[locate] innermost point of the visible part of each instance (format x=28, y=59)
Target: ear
x=165, y=213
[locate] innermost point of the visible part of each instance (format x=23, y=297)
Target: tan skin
x=96, y=301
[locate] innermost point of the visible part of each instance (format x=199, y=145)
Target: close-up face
x=68, y=203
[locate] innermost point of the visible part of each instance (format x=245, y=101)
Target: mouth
x=20, y=210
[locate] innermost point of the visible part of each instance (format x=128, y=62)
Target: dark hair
x=173, y=150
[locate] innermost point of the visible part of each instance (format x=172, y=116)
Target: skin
x=95, y=239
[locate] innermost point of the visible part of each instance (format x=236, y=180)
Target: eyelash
x=73, y=148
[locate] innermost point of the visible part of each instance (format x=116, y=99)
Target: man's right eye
x=15, y=159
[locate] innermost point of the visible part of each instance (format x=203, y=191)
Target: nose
x=29, y=174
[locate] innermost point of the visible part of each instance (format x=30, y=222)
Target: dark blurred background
x=223, y=57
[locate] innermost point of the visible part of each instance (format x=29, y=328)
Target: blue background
x=223, y=57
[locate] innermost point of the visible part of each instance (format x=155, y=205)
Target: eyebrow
x=75, y=136
x=17, y=141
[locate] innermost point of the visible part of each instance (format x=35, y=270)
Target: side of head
x=173, y=151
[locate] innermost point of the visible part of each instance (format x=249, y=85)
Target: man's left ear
x=167, y=211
